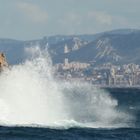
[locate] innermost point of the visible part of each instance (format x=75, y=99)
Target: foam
x=31, y=96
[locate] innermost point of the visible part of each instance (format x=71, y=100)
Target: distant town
x=105, y=75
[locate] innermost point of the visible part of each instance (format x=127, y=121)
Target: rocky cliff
x=3, y=61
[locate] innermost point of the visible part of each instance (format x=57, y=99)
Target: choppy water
x=31, y=96
x=69, y=134
x=127, y=99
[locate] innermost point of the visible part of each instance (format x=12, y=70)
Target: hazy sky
x=32, y=19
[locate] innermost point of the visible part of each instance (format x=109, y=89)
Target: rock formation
x=3, y=62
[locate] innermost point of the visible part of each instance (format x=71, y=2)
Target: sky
x=34, y=19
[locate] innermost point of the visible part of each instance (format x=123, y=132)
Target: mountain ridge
x=120, y=46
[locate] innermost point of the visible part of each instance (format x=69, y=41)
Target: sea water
x=34, y=104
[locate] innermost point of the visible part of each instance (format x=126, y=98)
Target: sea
x=128, y=98
x=35, y=105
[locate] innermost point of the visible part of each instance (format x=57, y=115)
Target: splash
x=29, y=94
x=94, y=107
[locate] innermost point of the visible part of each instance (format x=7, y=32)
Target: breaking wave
x=30, y=95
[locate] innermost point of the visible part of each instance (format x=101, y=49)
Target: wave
x=31, y=96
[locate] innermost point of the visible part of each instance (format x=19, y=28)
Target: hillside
x=118, y=46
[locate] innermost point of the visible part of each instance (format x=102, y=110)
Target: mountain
x=118, y=47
